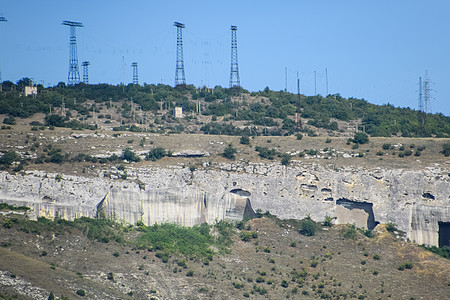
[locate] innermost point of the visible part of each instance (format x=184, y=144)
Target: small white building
x=30, y=90
x=178, y=112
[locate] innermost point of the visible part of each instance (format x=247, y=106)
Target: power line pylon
x=234, y=74
x=74, y=74
x=426, y=93
x=2, y=19
x=135, y=73
x=85, y=65
x=179, y=71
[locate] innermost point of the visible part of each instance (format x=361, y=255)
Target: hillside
x=274, y=261
x=150, y=108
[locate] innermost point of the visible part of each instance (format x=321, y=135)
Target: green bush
x=129, y=155
x=156, y=154
x=391, y=227
x=349, y=231
x=245, y=140
x=360, y=138
x=386, y=146
x=446, y=149
x=299, y=136
x=229, y=152
x=308, y=227
x=286, y=159
x=81, y=293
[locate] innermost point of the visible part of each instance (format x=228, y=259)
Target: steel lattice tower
x=135, y=73
x=2, y=19
x=74, y=74
x=426, y=94
x=85, y=65
x=179, y=71
x=234, y=74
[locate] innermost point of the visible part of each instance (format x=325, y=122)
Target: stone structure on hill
x=418, y=202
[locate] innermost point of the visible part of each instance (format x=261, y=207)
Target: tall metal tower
x=135, y=73
x=179, y=71
x=420, y=95
x=234, y=74
x=85, y=65
x=426, y=93
x=74, y=74
x=2, y=19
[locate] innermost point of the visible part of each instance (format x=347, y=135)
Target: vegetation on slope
x=271, y=110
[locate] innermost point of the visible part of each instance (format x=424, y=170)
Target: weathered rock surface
x=416, y=201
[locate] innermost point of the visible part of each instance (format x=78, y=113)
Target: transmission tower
x=234, y=74
x=2, y=19
x=426, y=94
x=74, y=74
x=179, y=72
x=135, y=73
x=420, y=95
x=85, y=65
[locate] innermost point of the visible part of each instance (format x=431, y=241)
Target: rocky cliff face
x=416, y=201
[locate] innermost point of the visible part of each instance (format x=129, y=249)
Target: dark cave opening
x=444, y=234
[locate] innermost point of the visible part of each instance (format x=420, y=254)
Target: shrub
x=380, y=153
x=328, y=221
x=360, y=138
x=229, y=152
x=386, y=146
x=446, y=149
x=110, y=276
x=129, y=155
x=328, y=140
x=286, y=159
x=391, y=227
x=190, y=273
x=376, y=256
x=245, y=140
x=156, y=154
x=81, y=293
x=349, y=232
x=308, y=227
x=299, y=136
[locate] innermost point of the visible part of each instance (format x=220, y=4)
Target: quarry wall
x=416, y=201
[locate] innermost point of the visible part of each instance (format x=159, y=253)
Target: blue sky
x=374, y=50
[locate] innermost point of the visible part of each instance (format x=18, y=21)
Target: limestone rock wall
x=414, y=200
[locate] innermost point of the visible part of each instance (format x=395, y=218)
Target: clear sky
x=375, y=50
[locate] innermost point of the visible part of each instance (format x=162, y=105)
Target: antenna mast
x=74, y=74
x=179, y=71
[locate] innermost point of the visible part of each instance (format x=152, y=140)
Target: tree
x=229, y=152
x=129, y=155
x=360, y=138
x=51, y=296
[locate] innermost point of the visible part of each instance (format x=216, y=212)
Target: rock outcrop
x=416, y=201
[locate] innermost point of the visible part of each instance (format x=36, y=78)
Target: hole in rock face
x=428, y=196
x=444, y=234
x=355, y=212
x=241, y=192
